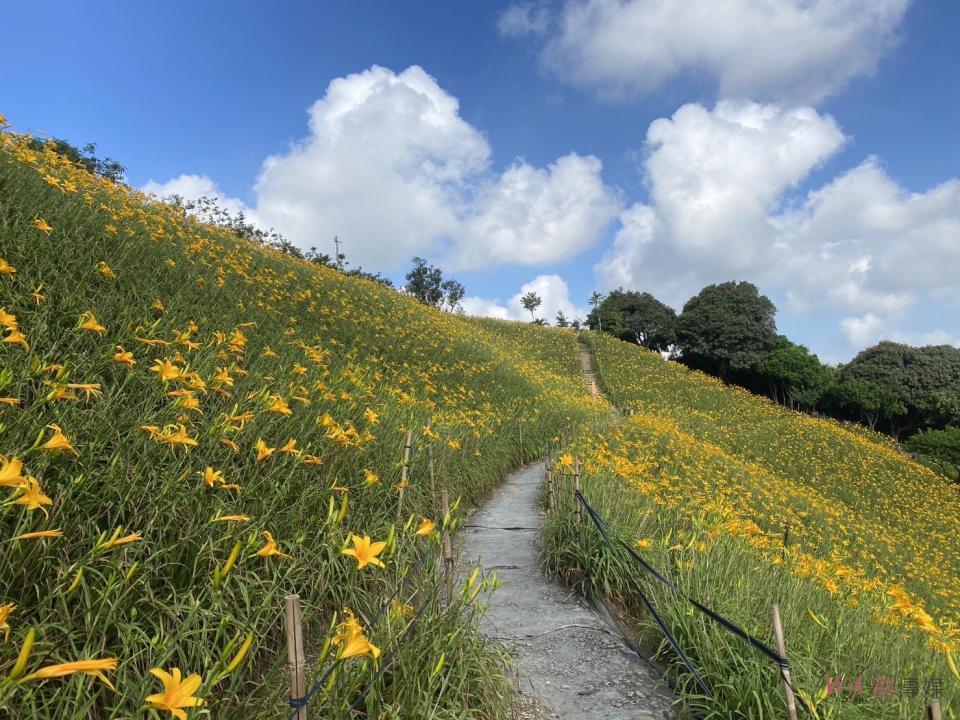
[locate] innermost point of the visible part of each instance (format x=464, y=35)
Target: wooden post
x=576, y=488
x=447, y=548
x=404, y=472
x=933, y=709
x=782, y=649
x=295, y=656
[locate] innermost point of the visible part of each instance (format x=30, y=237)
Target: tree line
x=729, y=330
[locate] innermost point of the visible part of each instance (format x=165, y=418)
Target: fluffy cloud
x=553, y=291
x=391, y=166
x=787, y=50
x=723, y=204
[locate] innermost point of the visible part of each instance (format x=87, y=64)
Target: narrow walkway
x=586, y=367
x=570, y=662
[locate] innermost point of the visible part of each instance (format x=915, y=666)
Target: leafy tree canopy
x=636, y=317
x=921, y=386
x=796, y=376
x=531, y=301
x=425, y=282
x=727, y=327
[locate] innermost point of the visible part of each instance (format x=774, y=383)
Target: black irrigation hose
x=782, y=662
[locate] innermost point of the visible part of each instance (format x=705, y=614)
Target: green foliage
x=939, y=448
x=796, y=376
x=904, y=387
x=425, y=282
x=215, y=304
x=636, y=317
x=531, y=301
x=727, y=327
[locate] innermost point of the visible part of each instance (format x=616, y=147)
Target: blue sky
x=210, y=90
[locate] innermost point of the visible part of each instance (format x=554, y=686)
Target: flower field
x=709, y=481
x=193, y=426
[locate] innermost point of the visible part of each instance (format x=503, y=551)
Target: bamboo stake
x=447, y=547
x=576, y=488
x=782, y=649
x=404, y=472
x=933, y=709
x=295, y=656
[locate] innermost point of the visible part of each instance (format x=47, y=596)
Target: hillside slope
x=193, y=426
x=744, y=503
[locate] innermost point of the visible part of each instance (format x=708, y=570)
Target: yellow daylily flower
x=270, y=547
x=42, y=225
x=426, y=527
x=371, y=416
x=352, y=641
x=58, y=442
x=124, y=357
x=15, y=337
x=116, y=539
x=6, y=268
x=6, y=610
x=106, y=271
x=11, y=471
x=263, y=452
x=88, y=322
x=232, y=518
x=30, y=495
x=290, y=447
x=166, y=370
x=211, y=477
x=279, y=405
x=178, y=692
x=8, y=320
x=95, y=668
x=364, y=551
x=36, y=535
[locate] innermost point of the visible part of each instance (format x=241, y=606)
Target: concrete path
x=571, y=662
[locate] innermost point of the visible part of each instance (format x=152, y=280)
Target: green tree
x=636, y=317
x=531, y=301
x=939, y=448
x=425, y=282
x=795, y=376
x=917, y=387
x=727, y=327
x=562, y=319
x=594, y=302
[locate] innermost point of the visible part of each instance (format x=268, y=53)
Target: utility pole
x=338, y=257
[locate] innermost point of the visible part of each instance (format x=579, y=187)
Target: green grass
x=486, y=396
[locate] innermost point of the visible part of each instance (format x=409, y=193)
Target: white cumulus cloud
x=391, y=167
x=784, y=50
x=723, y=204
